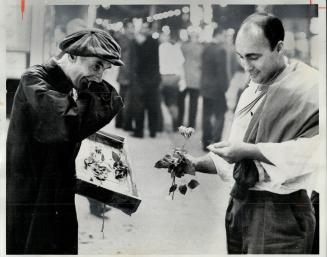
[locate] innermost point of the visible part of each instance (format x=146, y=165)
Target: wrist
x=196, y=163
x=253, y=152
x=249, y=151
x=201, y=163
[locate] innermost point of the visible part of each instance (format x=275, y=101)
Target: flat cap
x=92, y=42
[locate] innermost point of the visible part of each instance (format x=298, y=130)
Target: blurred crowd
x=162, y=71
x=175, y=77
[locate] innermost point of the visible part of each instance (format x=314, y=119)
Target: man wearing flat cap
x=56, y=106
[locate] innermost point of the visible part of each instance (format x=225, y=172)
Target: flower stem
x=183, y=147
x=102, y=229
x=172, y=195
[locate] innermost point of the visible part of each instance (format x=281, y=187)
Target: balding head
x=271, y=27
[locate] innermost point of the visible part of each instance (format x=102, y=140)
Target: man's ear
x=280, y=47
x=72, y=58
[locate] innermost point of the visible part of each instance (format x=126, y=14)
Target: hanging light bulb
x=186, y=9
x=99, y=21
x=177, y=12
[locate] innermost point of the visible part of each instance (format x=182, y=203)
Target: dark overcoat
x=45, y=132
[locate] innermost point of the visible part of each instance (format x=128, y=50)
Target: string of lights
x=116, y=26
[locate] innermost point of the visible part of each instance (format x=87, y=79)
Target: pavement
x=189, y=224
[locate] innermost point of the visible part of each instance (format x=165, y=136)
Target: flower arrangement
x=101, y=168
x=178, y=165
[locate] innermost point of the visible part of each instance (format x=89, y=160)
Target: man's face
x=256, y=57
x=87, y=68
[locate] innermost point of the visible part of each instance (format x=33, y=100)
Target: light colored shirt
x=171, y=59
x=192, y=52
x=236, y=86
x=296, y=162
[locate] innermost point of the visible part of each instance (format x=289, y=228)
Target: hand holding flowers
x=178, y=164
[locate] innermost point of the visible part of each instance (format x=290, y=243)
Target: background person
x=214, y=83
x=145, y=92
x=171, y=62
x=126, y=76
x=192, y=51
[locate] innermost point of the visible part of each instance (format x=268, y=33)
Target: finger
x=218, y=151
x=220, y=144
x=189, y=157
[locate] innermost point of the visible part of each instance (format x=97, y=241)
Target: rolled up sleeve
x=291, y=159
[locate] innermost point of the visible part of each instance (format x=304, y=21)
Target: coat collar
x=57, y=77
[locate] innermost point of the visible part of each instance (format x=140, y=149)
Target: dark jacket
x=214, y=79
x=147, y=64
x=44, y=136
x=127, y=75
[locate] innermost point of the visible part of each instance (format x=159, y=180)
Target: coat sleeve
x=58, y=118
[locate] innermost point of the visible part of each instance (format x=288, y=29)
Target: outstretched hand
x=190, y=161
x=230, y=151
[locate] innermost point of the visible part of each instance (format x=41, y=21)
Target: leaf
x=165, y=162
x=172, y=188
x=182, y=189
x=161, y=164
x=102, y=157
x=115, y=157
x=193, y=184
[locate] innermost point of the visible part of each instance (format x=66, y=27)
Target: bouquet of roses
x=178, y=165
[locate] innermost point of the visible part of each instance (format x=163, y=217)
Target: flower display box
x=104, y=172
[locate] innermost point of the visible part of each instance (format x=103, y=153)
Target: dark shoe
x=99, y=215
x=152, y=134
x=106, y=208
x=99, y=210
x=128, y=128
